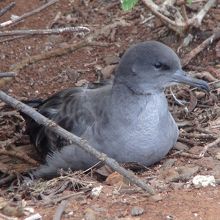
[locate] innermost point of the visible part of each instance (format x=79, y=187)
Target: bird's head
x=152, y=66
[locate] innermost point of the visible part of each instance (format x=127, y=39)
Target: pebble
x=111, y=60
x=136, y=211
x=107, y=71
x=180, y=146
x=34, y=217
x=90, y=215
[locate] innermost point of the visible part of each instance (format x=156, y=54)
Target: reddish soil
x=180, y=199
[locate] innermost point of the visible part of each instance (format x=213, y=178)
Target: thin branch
x=8, y=179
x=197, y=19
x=10, y=39
x=82, y=143
x=53, y=53
x=28, y=14
x=60, y=209
x=155, y=10
x=7, y=74
x=44, y=31
x=7, y=8
x=19, y=155
x=206, y=147
x=180, y=25
x=188, y=57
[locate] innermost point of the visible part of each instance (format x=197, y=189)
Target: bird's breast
x=144, y=134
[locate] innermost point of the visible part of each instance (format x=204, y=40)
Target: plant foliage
x=127, y=5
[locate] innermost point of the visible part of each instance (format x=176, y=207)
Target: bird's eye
x=161, y=66
x=158, y=65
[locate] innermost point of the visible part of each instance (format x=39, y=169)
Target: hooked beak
x=181, y=76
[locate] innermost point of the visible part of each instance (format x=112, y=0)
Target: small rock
x=34, y=217
x=136, y=211
x=187, y=172
x=156, y=198
x=90, y=215
x=168, y=163
x=170, y=175
x=159, y=184
x=81, y=82
x=204, y=181
x=176, y=186
x=96, y=191
x=14, y=17
x=195, y=150
x=107, y=71
x=109, y=60
x=180, y=146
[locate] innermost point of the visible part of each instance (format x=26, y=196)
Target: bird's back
x=74, y=109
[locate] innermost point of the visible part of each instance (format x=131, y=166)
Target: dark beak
x=181, y=76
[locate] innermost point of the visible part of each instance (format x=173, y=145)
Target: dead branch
x=54, y=53
x=82, y=143
x=6, y=143
x=28, y=14
x=188, y=57
x=7, y=179
x=55, y=200
x=60, y=209
x=182, y=22
x=197, y=19
x=7, y=74
x=6, y=77
x=198, y=136
x=7, y=8
x=206, y=147
x=185, y=154
x=44, y=31
x=10, y=39
x=18, y=155
x=69, y=48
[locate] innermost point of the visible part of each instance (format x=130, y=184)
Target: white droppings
x=203, y=181
x=96, y=191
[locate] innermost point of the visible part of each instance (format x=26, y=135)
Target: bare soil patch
x=172, y=177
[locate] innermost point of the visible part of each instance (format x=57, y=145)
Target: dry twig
x=82, y=143
x=61, y=198
x=181, y=23
x=188, y=57
x=7, y=8
x=44, y=31
x=206, y=147
x=19, y=155
x=60, y=209
x=7, y=179
x=28, y=14
x=8, y=74
x=54, y=53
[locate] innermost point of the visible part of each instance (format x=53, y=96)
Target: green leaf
x=189, y=2
x=127, y=5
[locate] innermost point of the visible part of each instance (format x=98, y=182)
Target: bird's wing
x=74, y=109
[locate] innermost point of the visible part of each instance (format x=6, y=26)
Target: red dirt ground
x=180, y=199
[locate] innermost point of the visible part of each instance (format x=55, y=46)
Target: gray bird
x=127, y=119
